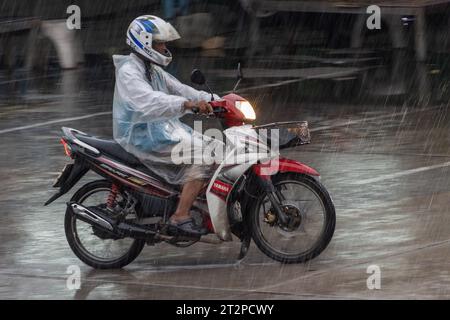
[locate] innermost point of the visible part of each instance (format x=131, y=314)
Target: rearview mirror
x=239, y=72
x=197, y=77
x=239, y=77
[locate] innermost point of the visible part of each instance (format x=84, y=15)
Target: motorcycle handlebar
x=195, y=110
x=216, y=110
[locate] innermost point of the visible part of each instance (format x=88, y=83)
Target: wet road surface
x=387, y=168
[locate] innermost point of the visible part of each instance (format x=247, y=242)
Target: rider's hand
x=202, y=106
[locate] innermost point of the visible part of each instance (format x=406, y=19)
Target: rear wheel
x=312, y=215
x=91, y=246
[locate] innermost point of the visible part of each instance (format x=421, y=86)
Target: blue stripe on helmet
x=140, y=45
x=147, y=25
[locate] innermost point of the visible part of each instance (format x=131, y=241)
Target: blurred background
x=326, y=45
x=377, y=103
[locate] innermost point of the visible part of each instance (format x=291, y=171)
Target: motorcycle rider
x=148, y=103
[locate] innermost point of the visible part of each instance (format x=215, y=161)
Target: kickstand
x=245, y=244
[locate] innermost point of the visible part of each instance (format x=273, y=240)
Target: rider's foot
x=188, y=226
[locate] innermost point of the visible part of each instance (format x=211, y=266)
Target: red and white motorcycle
x=277, y=202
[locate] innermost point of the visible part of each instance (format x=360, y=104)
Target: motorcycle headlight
x=247, y=110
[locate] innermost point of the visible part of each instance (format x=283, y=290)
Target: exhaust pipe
x=126, y=229
x=90, y=217
x=101, y=220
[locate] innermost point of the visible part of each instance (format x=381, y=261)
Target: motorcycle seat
x=114, y=150
x=111, y=148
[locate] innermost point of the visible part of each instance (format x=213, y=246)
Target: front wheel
x=98, y=250
x=312, y=219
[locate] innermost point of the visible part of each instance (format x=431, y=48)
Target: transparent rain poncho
x=148, y=103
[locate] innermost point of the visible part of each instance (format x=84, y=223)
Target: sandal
x=188, y=226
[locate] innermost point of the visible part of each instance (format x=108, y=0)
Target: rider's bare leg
x=188, y=195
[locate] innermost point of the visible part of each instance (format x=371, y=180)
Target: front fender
x=282, y=165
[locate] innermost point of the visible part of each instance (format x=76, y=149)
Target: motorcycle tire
x=77, y=247
x=327, y=231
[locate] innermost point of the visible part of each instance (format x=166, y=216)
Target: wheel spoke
x=91, y=244
x=309, y=211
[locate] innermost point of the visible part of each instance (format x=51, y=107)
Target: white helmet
x=144, y=30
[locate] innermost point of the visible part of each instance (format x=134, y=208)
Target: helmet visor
x=160, y=47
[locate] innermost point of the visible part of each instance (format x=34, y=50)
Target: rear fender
x=69, y=177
